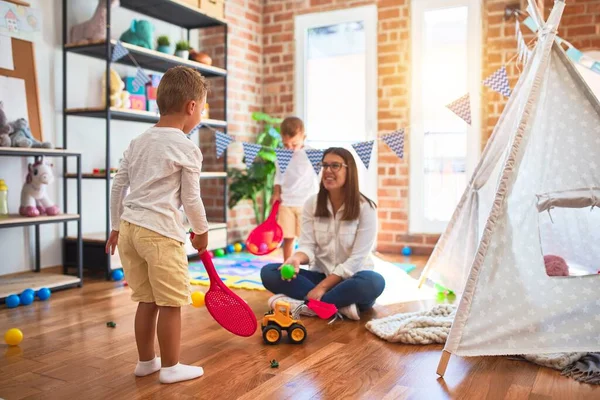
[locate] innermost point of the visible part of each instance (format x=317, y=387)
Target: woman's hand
x=295, y=262
x=316, y=293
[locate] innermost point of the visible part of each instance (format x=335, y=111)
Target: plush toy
x=95, y=28
x=21, y=136
x=140, y=34
x=5, y=128
x=34, y=200
x=119, y=98
x=556, y=266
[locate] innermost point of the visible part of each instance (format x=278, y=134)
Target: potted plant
x=164, y=44
x=256, y=183
x=182, y=49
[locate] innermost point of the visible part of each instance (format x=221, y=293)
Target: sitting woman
x=339, y=228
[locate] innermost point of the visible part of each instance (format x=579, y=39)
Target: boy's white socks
x=180, y=372
x=144, y=368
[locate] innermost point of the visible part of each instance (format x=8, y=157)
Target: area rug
x=236, y=270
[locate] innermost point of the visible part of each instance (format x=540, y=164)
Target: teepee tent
x=530, y=195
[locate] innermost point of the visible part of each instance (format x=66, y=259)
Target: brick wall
x=261, y=77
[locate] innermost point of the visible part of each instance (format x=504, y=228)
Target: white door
x=335, y=83
x=446, y=64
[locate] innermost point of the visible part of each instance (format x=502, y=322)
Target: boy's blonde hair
x=178, y=86
x=292, y=126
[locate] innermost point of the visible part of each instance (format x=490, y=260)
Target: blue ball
x=26, y=298
x=406, y=251
x=230, y=248
x=13, y=301
x=43, y=294
x=117, y=275
x=29, y=291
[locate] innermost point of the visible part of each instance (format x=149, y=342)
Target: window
x=336, y=75
x=446, y=64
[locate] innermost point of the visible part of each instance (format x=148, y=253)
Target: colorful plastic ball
x=29, y=291
x=43, y=294
x=197, y=299
x=230, y=248
x=273, y=245
x=243, y=246
x=117, y=275
x=26, y=298
x=237, y=247
x=263, y=247
x=253, y=248
x=407, y=251
x=297, y=246
x=13, y=337
x=219, y=253
x=287, y=271
x=211, y=254
x=13, y=301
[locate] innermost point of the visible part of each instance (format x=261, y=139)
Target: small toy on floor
x=111, y=324
x=117, y=275
x=274, y=364
x=555, y=265
x=281, y=318
x=13, y=337
x=197, y=299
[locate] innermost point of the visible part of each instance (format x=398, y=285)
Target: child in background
x=161, y=167
x=295, y=186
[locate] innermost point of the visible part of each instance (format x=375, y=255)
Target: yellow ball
x=197, y=299
x=237, y=247
x=13, y=337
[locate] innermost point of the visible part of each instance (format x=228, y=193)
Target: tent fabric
x=547, y=141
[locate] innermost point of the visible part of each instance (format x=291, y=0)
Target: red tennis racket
x=267, y=236
x=226, y=307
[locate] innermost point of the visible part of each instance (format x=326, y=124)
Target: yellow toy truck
x=281, y=318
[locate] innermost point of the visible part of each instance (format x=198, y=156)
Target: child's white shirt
x=161, y=168
x=299, y=181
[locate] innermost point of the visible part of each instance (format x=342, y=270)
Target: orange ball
x=253, y=248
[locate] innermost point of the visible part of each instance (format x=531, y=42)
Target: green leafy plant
x=182, y=45
x=256, y=183
x=163, y=41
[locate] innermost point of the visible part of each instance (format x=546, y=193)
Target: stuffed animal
x=95, y=28
x=5, y=128
x=21, y=136
x=119, y=98
x=556, y=266
x=34, y=200
x=140, y=34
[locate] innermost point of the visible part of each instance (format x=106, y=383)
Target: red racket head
x=322, y=309
x=226, y=307
x=267, y=236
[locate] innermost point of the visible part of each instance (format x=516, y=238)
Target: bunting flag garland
x=395, y=142
x=118, y=52
x=462, y=108
x=140, y=79
x=498, y=82
x=222, y=140
x=364, y=150
x=250, y=152
x=284, y=156
x=315, y=156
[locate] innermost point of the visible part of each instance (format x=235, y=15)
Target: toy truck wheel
x=297, y=333
x=271, y=334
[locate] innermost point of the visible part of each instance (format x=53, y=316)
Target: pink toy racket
x=322, y=309
x=267, y=236
x=227, y=308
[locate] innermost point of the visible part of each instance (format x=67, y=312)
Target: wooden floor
x=69, y=353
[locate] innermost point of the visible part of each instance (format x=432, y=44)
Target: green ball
x=219, y=253
x=287, y=271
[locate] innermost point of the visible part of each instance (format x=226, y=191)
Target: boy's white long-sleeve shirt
x=161, y=168
x=299, y=181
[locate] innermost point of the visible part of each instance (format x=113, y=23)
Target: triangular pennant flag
x=395, y=141
x=462, y=108
x=364, y=150
x=315, y=156
x=498, y=82
x=118, y=52
x=222, y=140
x=283, y=158
x=250, y=152
x=140, y=79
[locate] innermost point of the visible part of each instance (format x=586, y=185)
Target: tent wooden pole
x=441, y=369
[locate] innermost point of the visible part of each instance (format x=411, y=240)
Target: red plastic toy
x=322, y=309
x=227, y=308
x=267, y=236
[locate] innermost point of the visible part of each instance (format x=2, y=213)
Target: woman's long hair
x=352, y=196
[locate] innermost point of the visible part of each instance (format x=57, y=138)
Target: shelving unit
x=175, y=12
x=16, y=283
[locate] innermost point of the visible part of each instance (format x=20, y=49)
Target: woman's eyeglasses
x=334, y=167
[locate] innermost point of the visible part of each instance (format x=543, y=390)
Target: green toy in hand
x=287, y=271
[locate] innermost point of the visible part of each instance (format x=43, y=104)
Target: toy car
x=279, y=319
